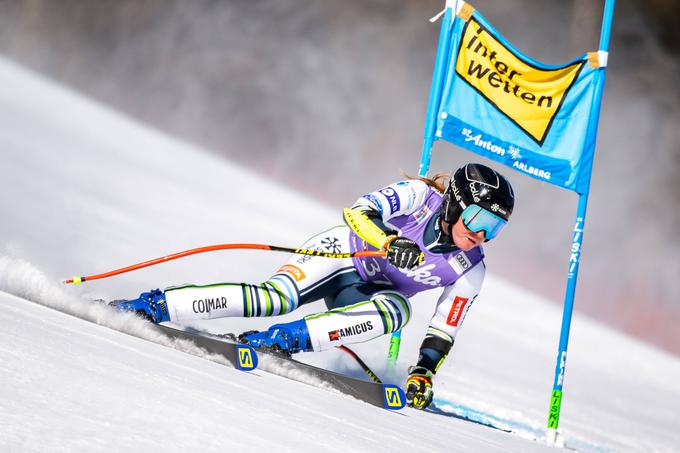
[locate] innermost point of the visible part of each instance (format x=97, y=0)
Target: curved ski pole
x=361, y=363
x=78, y=279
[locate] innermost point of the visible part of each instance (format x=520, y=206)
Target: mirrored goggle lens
x=476, y=219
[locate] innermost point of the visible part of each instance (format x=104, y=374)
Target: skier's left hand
x=403, y=252
x=419, y=387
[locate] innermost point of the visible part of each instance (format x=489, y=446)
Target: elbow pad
x=365, y=227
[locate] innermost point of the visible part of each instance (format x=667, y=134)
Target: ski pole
x=393, y=352
x=361, y=363
x=78, y=279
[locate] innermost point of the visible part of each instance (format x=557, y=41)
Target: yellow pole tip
x=77, y=280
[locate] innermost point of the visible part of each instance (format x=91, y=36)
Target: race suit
x=366, y=297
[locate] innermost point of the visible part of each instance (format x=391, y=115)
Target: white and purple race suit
x=411, y=208
x=367, y=297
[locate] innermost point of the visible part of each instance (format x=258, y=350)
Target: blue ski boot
x=288, y=338
x=151, y=306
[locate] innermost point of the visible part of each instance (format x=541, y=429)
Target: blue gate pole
x=438, y=76
x=574, y=259
x=575, y=255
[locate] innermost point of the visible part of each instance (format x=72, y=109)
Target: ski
x=240, y=356
x=385, y=396
x=245, y=357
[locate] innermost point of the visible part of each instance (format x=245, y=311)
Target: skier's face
x=464, y=238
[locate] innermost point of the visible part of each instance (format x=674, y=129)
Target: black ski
x=245, y=357
x=239, y=355
x=385, y=396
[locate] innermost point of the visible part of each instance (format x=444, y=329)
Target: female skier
x=432, y=234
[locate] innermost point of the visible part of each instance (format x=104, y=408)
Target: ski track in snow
x=20, y=278
x=95, y=390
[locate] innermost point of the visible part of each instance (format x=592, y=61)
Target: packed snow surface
x=83, y=190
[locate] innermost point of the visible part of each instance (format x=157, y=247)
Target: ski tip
x=394, y=397
x=246, y=358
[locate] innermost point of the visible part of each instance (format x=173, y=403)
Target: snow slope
x=83, y=190
x=89, y=388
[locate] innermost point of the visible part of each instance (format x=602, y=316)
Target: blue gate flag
x=501, y=104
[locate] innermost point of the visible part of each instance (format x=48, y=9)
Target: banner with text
x=505, y=106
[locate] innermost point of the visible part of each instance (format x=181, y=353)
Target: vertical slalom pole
x=439, y=72
x=574, y=260
x=575, y=252
x=438, y=75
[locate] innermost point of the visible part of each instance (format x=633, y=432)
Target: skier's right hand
x=419, y=387
x=403, y=252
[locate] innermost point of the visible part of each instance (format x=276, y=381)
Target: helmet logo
x=456, y=192
x=475, y=192
x=497, y=208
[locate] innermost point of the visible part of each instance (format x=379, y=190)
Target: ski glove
x=419, y=387
x=403, y=253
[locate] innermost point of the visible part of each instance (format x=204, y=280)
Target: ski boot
x=286, y=339
x=151, y=306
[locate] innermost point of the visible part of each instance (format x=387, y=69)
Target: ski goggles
x=476, y=219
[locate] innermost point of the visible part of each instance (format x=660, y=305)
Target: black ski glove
x=404, y=253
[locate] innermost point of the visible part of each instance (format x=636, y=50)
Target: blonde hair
x=439, y=181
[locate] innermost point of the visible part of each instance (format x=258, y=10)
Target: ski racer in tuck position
x=432, y=231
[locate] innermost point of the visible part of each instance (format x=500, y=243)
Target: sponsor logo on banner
x=358, y=329
x=456, y=311
x=522, y=166
x=481, y=143
x=294, y=271
x=529, y=96
x=392, y=198
x=515, y=154
x=460, y=263
x=208, y=305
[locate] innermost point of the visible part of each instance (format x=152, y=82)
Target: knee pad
x=385, y=312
